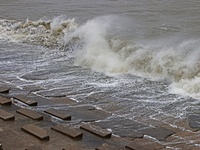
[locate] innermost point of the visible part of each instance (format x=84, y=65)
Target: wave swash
x=95, y=48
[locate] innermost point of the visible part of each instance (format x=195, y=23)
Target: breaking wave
x=44, y=33
x=98, y=47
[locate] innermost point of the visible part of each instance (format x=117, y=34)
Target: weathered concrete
x=34, y=148
x=96, y=130
x=159, y=133
x=68, y=131
x=108, y=147
x=30, y=113
x=26, y=100
x=4, y=90
x=73, y=147
x=194, y=121
x=58, y=114
x=87, y=113
x=145, y=143
x=6, y=116
x=36, y=131
x=136, y=146
x=122, y=127
x=5, y=101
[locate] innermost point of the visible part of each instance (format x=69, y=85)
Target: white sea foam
x=177, y=63
x=44, y=33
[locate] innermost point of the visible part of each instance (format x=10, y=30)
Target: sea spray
x=43, y=33
x=177, y=64
x=96, y=46
x=96, y=52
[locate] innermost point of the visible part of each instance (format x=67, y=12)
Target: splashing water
x=97, y=47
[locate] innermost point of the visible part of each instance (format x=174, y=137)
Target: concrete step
x=31, y=114
x=58, y=114
x=73, y=133
x=6, y=116
x=96, y=130
x=4, y=90
x=36, y=131
x=5, y=101
x=26, y=100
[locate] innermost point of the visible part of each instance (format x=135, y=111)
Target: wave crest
x=44, y=33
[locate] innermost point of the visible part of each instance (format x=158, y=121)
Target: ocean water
x=131, y=58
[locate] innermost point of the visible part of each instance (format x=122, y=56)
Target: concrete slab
x=87, y=113
x=6, y=116
x=136, y=146
x=36, y=131
x=31, y=114
x=144, y=142
x=73, y=133
x=58, y=114
x=26, y=100
x=108, y=147
x=73, y=147
x=193, y=121
x=96, y=130
x=34, y=148
x=159, y=133
x=125, y=128
x=5, y=101
x=64, y=100
x=1, y=130
x=4, y=90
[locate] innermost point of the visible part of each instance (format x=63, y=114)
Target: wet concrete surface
x=126, y=133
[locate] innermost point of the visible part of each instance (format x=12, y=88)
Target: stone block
x=96, y=130
x=26, y=100
x=73, y=133
x=58, y=114
x=5, y=101
x=36, y=131
x=6, y=116
x=30, y=113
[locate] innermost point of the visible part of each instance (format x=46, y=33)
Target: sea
x=131, y=58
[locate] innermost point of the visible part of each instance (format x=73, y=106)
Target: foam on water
x=96, y=46
x=44, y=33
